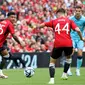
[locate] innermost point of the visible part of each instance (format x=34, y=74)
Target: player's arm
x=79, y=32
x=40, y=25
x=74, y=27
x=18, y=40
x=48, y=24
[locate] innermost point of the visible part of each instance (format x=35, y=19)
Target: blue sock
x=79, y=62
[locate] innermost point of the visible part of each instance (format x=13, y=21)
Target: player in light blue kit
x=79, y=19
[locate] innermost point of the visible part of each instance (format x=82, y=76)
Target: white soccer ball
x=29, y=72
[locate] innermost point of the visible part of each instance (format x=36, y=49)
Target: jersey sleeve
x=11, y=28
x=49, y=24
x=73, y=25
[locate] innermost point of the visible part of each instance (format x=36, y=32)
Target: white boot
x=78, y=72
x=64, y=76
x=69, y=72
x=51, y=81
x=2, y=75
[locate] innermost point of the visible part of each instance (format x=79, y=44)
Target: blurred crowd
x=30, y=13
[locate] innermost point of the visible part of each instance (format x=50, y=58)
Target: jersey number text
x=65, y=28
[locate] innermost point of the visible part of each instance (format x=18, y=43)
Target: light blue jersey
x=77, y=43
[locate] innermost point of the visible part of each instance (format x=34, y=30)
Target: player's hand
x=84, y=39
x=23, y=44
x=36, y=26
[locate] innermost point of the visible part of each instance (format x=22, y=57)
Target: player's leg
x=22, y=61
x=74, y=46
x=52, y=70
x=69, y=72
x=15, y=58
x=2, y=63
x=68, y=52
x=56, y=53
x=80, y=46
x=4, y=54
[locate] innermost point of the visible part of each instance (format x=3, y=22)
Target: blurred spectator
x=31, y=12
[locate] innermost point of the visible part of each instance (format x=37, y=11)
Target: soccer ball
x=29, y=72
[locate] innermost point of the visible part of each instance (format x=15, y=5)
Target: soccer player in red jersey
x=62, y=27
x=6, y=27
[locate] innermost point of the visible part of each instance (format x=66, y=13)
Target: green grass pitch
x=41, y=77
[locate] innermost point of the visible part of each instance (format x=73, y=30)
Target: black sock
x=52, y=71
x=66, y=67
x=16, y=63
x=22, y=61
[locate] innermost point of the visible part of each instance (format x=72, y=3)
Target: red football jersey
x=6, y=27
x=62, y=27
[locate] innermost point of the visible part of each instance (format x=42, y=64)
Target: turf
x=41, y=77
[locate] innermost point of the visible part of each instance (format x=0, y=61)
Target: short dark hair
x=78, y=7
x=61, y=10
x=11, y=13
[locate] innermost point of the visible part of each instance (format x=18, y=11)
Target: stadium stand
x=31, y=12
